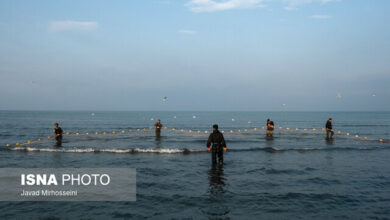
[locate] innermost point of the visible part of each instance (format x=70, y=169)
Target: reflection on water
x=329, y=141
x=217, y=208
x=217, y=179
x=158, y=139
x=269, y=143
x=58, y=141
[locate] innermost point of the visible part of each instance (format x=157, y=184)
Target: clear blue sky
x=201, y=54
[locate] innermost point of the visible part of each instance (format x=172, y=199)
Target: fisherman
x=270, y=128
x=219, y=145
x=329, y=129
x=158, y=127
x=58, y=132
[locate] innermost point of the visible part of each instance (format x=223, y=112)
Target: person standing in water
x=329, y=129
x=216, y=138
x=58, y=132
x=158, y=127
x=270, y=128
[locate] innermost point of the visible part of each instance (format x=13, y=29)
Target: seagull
x=373, y=94
x=233, y=119
x=164, y=99
x=338, y=96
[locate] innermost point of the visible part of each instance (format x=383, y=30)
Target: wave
x=177, y=151
x=119, y=151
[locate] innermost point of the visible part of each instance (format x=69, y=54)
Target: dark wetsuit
x=216, y=138
x=329, y=129
x=58, y=132
x=158, y=127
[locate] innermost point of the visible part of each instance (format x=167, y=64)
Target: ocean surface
x=296, y=175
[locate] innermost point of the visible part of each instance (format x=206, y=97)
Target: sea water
x=294, y=175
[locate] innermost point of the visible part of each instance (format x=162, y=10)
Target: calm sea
x=295, y=175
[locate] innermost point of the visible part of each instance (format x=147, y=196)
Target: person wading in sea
x=158, y=127
x=270, y=128
x=329, y=129
x=218, y=145
x=58, y=132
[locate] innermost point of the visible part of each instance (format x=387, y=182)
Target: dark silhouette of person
x=218, y=145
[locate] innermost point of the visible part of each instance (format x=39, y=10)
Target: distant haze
x=201, y=54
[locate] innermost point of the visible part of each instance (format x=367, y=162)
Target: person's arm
x=62, y=131
x=209, y=143
x=223, y=143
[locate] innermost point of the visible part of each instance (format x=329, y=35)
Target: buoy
x=96, y=133
x=17, y=144
x=7, y=145
x=67, y=133
x=113, y=132
x=123, y=132
x=380, y=140
x=104, y=132
x=231, y=131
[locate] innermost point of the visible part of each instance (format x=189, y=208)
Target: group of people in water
x=217, y=145
x=216, y=141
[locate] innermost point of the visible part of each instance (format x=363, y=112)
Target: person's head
x=330, y=119
x=215, y=127
x=56, y=125
x=268, y=120
x=158, y=120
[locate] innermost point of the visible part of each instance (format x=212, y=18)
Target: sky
x=207, y=55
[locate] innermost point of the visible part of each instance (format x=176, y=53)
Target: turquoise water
x=296, y=175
